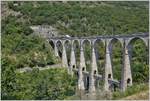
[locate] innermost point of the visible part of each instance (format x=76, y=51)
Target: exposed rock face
x=45, y=30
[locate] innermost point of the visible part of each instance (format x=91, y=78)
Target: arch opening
x=67, y=45
x=76, y=47
x=87, y=54
x=59, y=47
x=99, y=46
x=116, y=55
x=138, y=53
x=100, y=56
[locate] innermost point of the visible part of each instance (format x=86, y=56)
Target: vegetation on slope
x=20, y=48
x=136, y=88
x=143, y=95
x=37, y=85
x=84, y=19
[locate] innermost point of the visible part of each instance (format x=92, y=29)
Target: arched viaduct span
x=125, y=40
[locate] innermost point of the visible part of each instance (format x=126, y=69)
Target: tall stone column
x=81, y=68
x=126, y=70
x=72, y=58
x=108, y=66
x=93, y=70
x=56, y=49
x=64, y=56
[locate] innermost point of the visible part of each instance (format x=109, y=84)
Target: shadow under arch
x=138, y=53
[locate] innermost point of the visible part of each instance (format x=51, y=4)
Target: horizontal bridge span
x=103, y=36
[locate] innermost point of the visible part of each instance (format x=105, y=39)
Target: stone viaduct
x=126, y=75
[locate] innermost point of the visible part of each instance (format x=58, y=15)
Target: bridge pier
x=93, y=70
x=126, y=78
x=82, y=67
x=56, y=49
x=126, y=71
x=72, y=58
x=108, y=66
x=64, y=56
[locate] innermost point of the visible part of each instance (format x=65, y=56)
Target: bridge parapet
x=103, y=36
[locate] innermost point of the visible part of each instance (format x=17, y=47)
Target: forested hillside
x=88, y=18
x=21, y=48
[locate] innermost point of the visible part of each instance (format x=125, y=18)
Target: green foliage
x=131, y=90
x=42, y=85
x=80, y=19
x=20, y=48
x=8, y=81
x=26, y=48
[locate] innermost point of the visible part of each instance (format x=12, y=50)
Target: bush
x=136, y=88
x=43, y=85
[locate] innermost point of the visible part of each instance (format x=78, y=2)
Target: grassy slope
x=136, y=92
x=143, y=95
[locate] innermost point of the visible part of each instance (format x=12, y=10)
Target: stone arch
x=57, y=41
x=85, y=40
x=112, y=40
x=99, y=46
x=86, y=45
x=67, y=40
x=75, y=40
x=67, y=45
x=76, y=47
x=135, y=38
x=115, y=46
x=138, y=54
x=100, y=40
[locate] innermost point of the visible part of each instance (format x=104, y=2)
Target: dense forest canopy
x=21, y=48
x=88, y=18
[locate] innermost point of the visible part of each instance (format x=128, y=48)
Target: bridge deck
x=104, y=36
